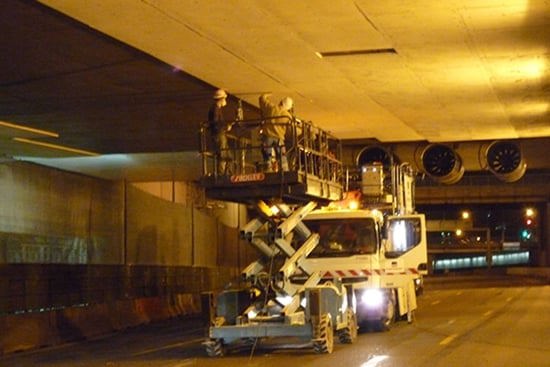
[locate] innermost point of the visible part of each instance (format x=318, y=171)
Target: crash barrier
x=44, y=305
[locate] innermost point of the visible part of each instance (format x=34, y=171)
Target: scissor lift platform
x=291, y=186
x=314, y=170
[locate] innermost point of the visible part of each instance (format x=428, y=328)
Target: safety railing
x=307, y=149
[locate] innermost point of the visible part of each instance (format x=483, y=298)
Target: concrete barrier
x=26, y=331
x=530, y=272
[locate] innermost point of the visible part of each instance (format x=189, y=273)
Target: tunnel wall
x=82, y=257
x=49, y=216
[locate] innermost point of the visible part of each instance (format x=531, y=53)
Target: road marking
x=169, y=346
x=509, y=299
x=458, y=293
x=452, y=321
x=187, y=362
x=373, y=362
x=436, y=302
x=448, y=339
x=488, y=313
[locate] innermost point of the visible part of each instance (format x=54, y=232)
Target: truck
x=328, y=262
x=375, y=243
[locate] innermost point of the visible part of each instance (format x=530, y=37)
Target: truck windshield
x=343, y=237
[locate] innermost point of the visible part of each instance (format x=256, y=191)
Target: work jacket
x=274, y=127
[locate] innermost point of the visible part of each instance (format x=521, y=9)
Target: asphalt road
x=481, y=321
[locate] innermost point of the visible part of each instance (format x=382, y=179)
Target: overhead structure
x=442, y=163
x=505, y=160
x=376, y=154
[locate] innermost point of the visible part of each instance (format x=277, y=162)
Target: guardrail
x=45, y=287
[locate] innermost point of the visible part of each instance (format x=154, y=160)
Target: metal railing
x=307, y=149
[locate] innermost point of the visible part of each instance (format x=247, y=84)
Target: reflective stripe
x=366, y=272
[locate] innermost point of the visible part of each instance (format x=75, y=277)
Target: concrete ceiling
x=129, y=76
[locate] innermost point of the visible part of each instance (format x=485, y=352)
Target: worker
x=277, y=117
x=218, y=129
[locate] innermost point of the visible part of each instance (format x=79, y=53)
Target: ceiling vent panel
x=372, y=51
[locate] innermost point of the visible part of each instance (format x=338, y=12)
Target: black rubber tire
x=324, y=341
x=348, y=334
x=215, y=348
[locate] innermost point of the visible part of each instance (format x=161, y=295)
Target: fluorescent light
x=29, y=129
x=55, y=146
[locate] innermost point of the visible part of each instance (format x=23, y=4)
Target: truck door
x=405, y=247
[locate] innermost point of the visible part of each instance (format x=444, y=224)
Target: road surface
x=481, y=321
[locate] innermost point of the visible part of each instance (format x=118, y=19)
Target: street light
x=465, y=214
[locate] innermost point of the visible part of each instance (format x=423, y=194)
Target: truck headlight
x=372, y=298
x=284, y=300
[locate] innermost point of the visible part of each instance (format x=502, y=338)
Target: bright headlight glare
x=372, y=297
x=252, y=314
x=284, y=300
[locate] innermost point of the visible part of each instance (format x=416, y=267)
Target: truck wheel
x=349, y=333
x=214, y=348
x=324, y=341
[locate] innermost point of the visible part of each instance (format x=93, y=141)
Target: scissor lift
x=272, y=305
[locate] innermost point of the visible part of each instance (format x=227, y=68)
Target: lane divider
x=448, y=339
x=169, y=346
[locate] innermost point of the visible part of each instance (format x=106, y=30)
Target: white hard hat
x=219, y=94
x=287, y=103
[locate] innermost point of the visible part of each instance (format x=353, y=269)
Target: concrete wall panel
x=205, y=235
x=51, y=216
x=158, y=231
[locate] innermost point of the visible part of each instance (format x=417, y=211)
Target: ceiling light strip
x=30, y=129
x=55, y=146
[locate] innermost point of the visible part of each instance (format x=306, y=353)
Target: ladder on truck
x=274, y=306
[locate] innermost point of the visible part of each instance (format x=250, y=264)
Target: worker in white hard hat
x=218, y=129
x=276, y=119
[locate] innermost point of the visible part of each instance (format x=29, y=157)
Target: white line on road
x=435, y=302
x=170, y=346
x=373, y=362
x=509, y=299
x=448, y=339
x=458, y=293
x=186, y=362
x=488, y=313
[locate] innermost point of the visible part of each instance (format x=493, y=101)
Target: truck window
x=344, y=237
x=403, y=235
